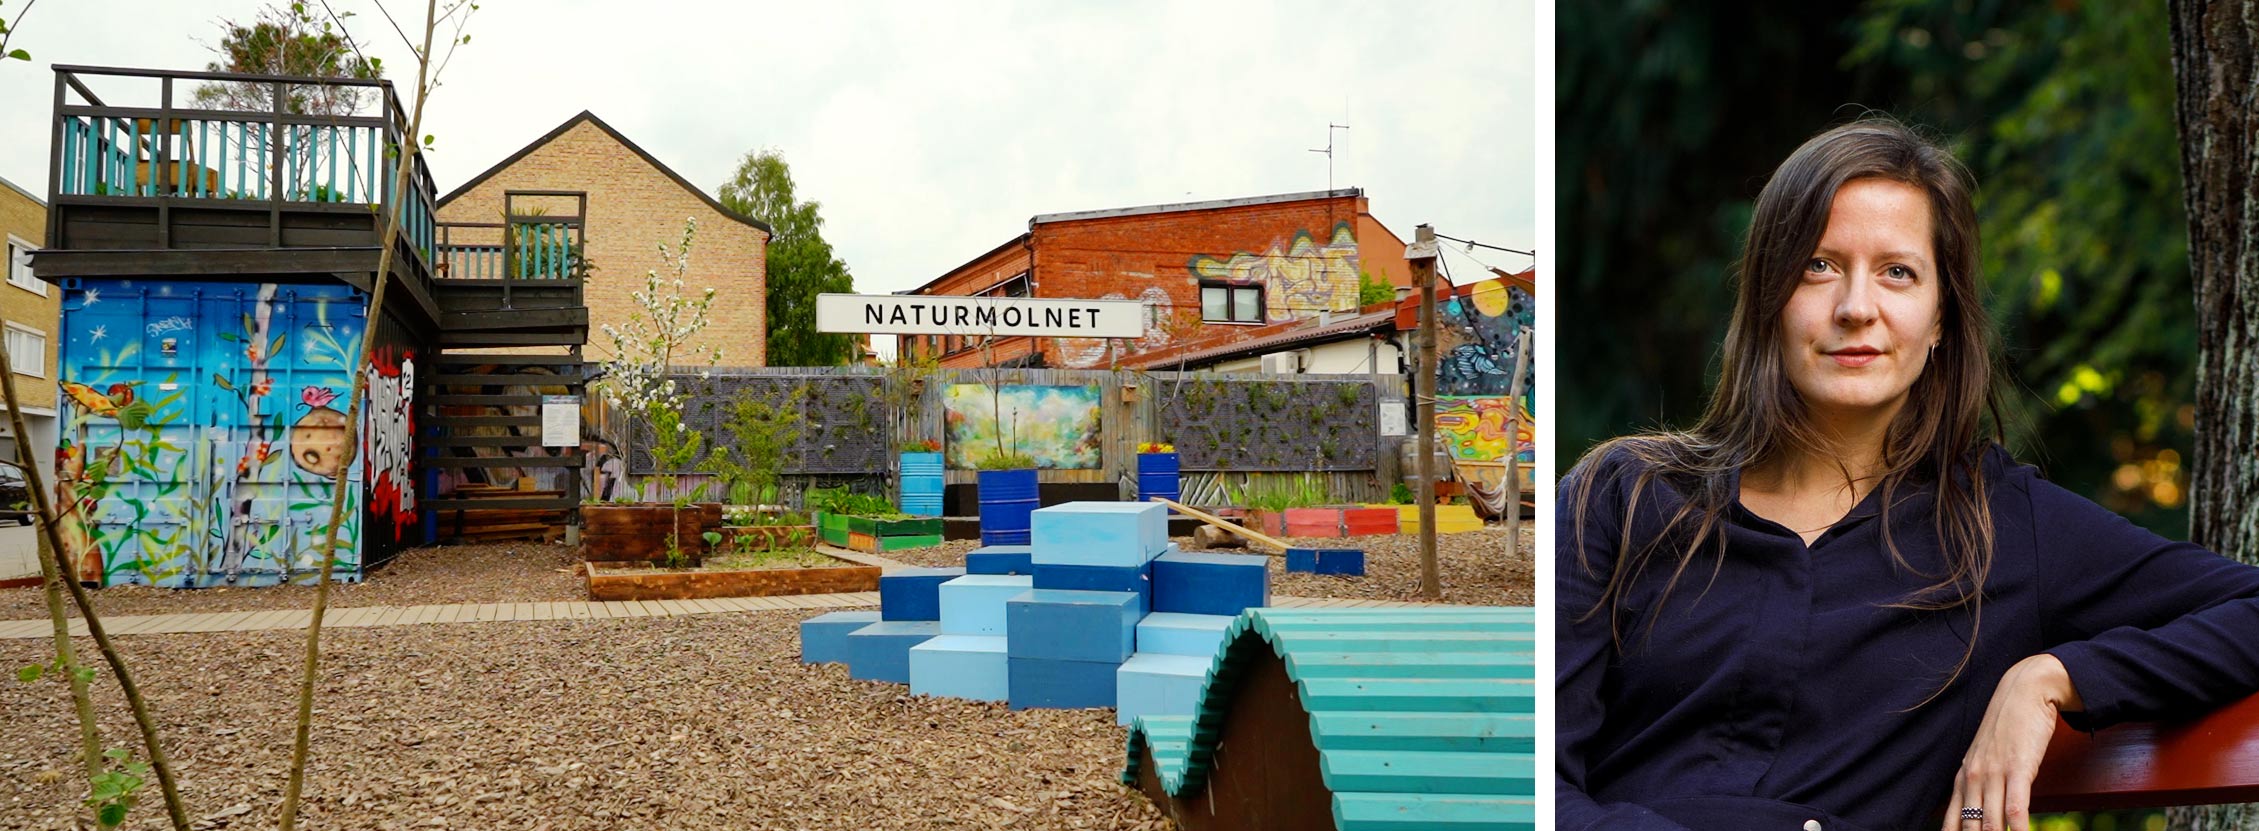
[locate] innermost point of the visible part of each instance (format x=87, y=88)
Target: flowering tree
x=640, y=375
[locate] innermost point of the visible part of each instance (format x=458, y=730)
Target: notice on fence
x=560, y=421
x=1392, y=420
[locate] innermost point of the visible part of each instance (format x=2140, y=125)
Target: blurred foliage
x=1673, y=115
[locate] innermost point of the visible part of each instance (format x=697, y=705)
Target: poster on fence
x=1056, y=426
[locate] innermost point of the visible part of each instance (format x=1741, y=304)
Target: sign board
x=1392, y=419
x=918, y=314
x=560, y=421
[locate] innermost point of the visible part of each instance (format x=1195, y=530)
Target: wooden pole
x=1514, y=391
x=1421, y=255
x=1222, y=524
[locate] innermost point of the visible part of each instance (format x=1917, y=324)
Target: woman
x=1836, y=603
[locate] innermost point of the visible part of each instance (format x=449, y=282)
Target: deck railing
x=532, y=243
x=164, y=146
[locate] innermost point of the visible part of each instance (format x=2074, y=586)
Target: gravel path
x=1476, y=567
x=696, y=722
x=522, y=572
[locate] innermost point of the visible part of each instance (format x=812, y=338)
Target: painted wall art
x=201, y=425
x=1056, y=425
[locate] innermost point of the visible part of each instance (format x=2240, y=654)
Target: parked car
x=15, y=496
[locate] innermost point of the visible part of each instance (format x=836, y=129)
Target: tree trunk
x=2216, y=74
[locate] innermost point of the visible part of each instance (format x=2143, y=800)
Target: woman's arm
x=1584, y=648
x=1996, y=774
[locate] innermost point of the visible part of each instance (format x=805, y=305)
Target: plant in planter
x=869, y=523
x=1008, y=495
x=658, y=337
x=1158, y=471
x=762, y=431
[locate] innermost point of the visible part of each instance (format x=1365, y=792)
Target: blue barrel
x=1157, y=475
x=921, y=484
x=1007, y=497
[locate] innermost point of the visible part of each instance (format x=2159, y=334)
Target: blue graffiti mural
x=202, y=424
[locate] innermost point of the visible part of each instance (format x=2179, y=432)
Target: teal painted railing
x=155, y=150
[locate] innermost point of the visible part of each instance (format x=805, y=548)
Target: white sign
x=918, y=314
x=1393, y=422
x=560, y=421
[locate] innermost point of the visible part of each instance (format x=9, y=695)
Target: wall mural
x=1474, y=370
x=181, y=402
x=387, y=451
x=1301, y=276
x=1057, y=425
x=1473, y=428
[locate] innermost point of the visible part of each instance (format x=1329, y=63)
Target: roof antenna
x=1330, y=127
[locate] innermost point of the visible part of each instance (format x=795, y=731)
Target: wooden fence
x=1234, y=428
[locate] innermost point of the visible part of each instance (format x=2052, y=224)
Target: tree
x=284, y=41
x=6, y=32
x=2213, y=62
x=801, y=263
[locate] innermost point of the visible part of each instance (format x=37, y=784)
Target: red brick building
x=1209, y=273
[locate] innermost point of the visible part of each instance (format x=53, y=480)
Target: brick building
x=1209, y=273
x=29, y=309
x=634, y=202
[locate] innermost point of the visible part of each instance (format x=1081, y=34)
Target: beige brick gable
x=634, y=204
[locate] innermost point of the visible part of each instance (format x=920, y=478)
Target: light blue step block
x=881, y=651
x=961, y=666
x=823, y=638
x=1178, y=633
x=999, y=559
x=1154, y=684
x=1122, y=534
x=974, y=604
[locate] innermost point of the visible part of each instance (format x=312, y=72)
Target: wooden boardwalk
x=353, y=617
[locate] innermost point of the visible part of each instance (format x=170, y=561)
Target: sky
x=931, y=132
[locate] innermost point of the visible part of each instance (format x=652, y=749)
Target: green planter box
x=912, y=527
x=833, y=528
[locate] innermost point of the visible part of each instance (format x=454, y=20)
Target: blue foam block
x=1099, y=579
x=999, y=559
x=974, y=604
x=1210, y=584
x=1177, y=633
x=1349, y=561
x=1072, y=625
x=961, y=666
x=881, y=651
x=1302, y=560
x=823, y=638
x=913, y=593
x=1099, y=533
x=1153, y=684
x=1040, y=682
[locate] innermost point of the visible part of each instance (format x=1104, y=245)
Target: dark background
x=1672, y=115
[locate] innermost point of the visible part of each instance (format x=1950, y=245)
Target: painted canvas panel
x=1057, y=425
x=200, y=423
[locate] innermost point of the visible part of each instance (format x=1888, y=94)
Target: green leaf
x=223, y=382
x=116, y=754
x=230, y=337
x=31, y=673
x=85, y=675
x=275, y=348
x=20, y=55
x=105, y=789
x=112, y=815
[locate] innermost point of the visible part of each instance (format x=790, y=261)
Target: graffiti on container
x=392, y=426
x=172, y=447
x=1474, y=428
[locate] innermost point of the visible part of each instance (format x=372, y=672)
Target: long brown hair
x=1754, y=414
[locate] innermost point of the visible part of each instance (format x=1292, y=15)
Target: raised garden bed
x=1340, y=521
x=638, y=581
x=641, y=532
x=878, y=535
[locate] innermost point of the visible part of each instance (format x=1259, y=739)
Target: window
x=19, y=267
x=1231, y=303
x=27, y=350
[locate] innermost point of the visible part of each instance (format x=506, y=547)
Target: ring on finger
x=1972, y=814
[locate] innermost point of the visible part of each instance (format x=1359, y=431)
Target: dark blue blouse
x=1784, y=691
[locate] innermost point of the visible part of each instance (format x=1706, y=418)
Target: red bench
x=2211, y=759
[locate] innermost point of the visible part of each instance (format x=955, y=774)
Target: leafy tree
x=7, y=32
x=1371, y=290
x=801, y=263
x=287, y=41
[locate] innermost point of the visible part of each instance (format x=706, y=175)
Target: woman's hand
x=1996, y=774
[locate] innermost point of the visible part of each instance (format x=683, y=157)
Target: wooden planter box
x=1449, y=519
x=640, y=532
x=1340, y=521
x=782, y=536
x=613, y=581
x=872, y=535
x=1268, y=522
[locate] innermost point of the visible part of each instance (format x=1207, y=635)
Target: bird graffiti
x=104, y=405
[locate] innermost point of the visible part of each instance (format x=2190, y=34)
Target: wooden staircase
x=512, y=325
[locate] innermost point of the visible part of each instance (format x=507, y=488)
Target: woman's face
x=1859, y=327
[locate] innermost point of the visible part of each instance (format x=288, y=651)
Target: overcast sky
x=932, y=131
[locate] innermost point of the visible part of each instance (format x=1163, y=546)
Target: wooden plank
x=2212, y=758
x=457, y=359
x=204, y=263
x=574, y=460
x=485, y=338
x=514, y=319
